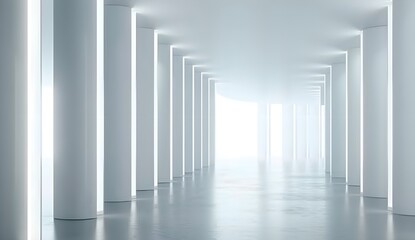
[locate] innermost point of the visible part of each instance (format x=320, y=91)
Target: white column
x=76, y=92
x=354, y=80
x=117, y=57
x=375, y=111
x=300, y=132
x=328, y=124
x=164, y=87
x=197, y=117
x=308, y=128
x=20, y=124
x=205, y=121
x=321, y=123
x=288, y=132
x=263, y=131
x=403, y=107
x=188, y=118
x=212, y=122
x=178, y=116
x=147, y=44
x=338, y=168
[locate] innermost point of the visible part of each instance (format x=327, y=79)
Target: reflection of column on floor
x=288, y=132
x=263, y=131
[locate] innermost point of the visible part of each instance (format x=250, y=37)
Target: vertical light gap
x=272, y=131
x=155, y=68
x=361, y=112
x=133, y=104
x=330, y=119
x=34, y=176
x=208, y=120
x=47, y=177
x=390, y=105
x=323, y=132
x=276, y=131
x=306, y=131
x=193, y=116
x=347, y=116
x=269, y=132
x=294, y=131
x=202, y=122
x=323, y=120
x=183, y=113
x=171, y=111
x=201, y=117
x=320, y=124
x=100, y=106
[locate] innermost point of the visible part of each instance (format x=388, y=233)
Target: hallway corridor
x=243, y=200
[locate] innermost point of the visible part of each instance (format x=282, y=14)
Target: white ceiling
x=263, y=45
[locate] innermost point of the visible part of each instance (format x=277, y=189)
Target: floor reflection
x=243, y=200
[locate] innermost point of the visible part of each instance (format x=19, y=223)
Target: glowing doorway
x=275, y=130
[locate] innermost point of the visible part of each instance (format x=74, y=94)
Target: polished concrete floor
x=244, y=200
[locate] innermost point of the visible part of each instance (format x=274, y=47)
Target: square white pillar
x=164, y=94
x=178, y=116
x=147, y=120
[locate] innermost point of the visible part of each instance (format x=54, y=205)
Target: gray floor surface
x=243, y=200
